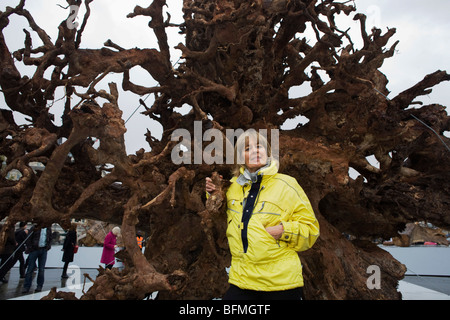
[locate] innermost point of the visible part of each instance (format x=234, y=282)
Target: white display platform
x=423, y=260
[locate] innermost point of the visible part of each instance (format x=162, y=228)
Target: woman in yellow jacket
x=270, y=219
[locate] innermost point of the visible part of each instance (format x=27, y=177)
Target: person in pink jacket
x=109, y=246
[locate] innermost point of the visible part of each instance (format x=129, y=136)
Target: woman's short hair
x=116, y=231
x=242, y=141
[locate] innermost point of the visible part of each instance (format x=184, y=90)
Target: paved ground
x=13, y=289
x=439, y=284
x=412, y=287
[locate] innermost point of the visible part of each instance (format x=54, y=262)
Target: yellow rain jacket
x=259, y=262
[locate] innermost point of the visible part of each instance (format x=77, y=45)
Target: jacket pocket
x=268, y=213
x=262, y=246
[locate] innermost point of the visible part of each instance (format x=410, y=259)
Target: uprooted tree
x=241, y=58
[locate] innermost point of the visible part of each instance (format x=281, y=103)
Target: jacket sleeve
x=108, y=243
x=301, y=230
x=49, y=239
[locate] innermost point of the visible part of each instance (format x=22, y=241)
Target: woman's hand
x=210, y=186
x=275, y=231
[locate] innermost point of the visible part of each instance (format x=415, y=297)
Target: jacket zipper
x=252, y=199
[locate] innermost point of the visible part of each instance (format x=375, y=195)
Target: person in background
x=140, y=240
x=269, y=219
x=109, y=246
x=37, y=247
x=68, y=248
x=21, y=235
x=7, y=256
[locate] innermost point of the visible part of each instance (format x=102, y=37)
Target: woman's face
x=255, y=155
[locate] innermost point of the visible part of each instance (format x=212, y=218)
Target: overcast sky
x=422, y=27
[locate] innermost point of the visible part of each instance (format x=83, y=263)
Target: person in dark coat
x=68, y=247
x=21, y=235
x=7, y=258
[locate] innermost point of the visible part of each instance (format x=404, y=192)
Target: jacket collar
x=268, y=170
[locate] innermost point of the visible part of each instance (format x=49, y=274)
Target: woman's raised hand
x=210, y=186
